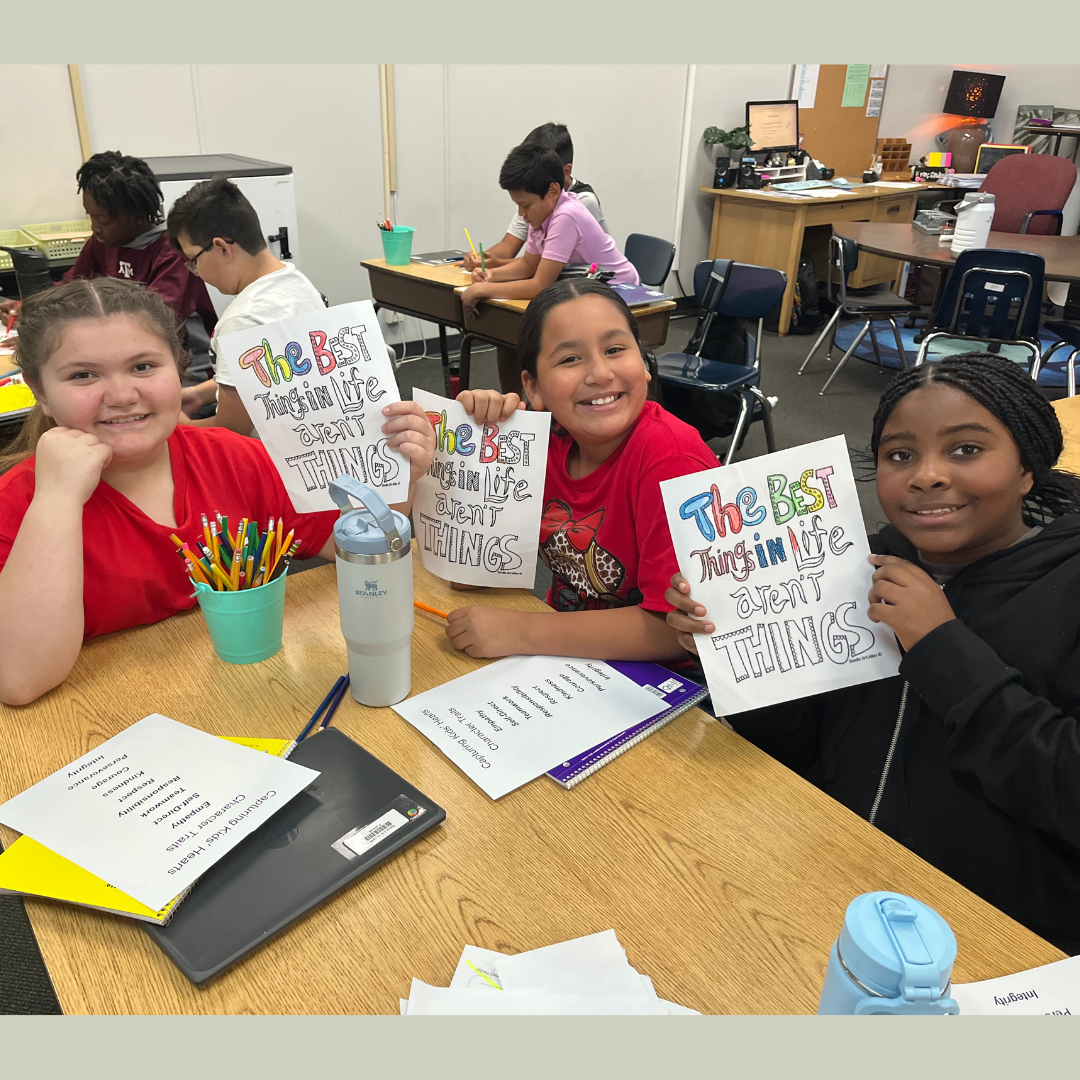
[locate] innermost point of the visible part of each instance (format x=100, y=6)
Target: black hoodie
x=981, y=774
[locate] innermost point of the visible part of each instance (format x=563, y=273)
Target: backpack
x=805, y=316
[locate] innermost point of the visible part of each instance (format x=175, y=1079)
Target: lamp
x=974, y=95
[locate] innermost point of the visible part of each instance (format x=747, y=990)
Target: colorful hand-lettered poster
x=775, y=549
x=315, y=386
x=477, y=510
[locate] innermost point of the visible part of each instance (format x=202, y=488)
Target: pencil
x=281, y=549
x=319, y=711
x=469, y=238
x=481, y=258
x=433, y=610
x=226, y=584
x=335, y=703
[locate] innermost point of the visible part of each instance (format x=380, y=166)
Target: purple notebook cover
x=640, y=294
x=644, y=674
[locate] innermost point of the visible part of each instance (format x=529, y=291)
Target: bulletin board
x=841, y=137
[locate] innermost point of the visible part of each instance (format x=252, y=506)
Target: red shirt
x=605, y=537
x=158, y=266
x=132, y=573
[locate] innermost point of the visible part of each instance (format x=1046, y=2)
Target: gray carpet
x=800, y=416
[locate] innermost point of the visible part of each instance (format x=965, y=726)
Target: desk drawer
x=426, y=298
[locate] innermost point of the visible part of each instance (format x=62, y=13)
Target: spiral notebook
x=678, y=693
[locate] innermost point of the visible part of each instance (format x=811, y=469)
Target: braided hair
x=122, y=185
x=1006, y=391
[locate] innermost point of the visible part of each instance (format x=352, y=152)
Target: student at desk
x=554, y=137
x=561, y=231
x=102, y=475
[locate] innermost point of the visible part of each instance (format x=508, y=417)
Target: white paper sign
x=315, y=386
x=506, y=723
x=804, y=84
x=1051, y=990
x=154, y=807
x=775, y=549
x=477, y=510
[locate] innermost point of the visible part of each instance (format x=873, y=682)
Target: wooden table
x=434, y=293
x=774, y=230
x=724, y=875
x=1062, y=253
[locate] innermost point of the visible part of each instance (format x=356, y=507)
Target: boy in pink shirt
x=561, y=231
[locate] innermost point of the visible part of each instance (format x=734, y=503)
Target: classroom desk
x=724, y=875
x=774, y=230
x=1058, y=132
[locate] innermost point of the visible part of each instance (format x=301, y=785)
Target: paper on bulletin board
x=477, y=509
x=804, y=84
x=879, y=71
x=855, y=86
x=876, y=97
x=315, y=386
x=775, y=549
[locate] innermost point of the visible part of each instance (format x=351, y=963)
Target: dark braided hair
x=122, y=185
x=1004, y=389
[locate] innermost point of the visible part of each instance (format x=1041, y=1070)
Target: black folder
x=354, y=816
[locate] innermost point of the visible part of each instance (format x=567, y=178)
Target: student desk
x=773, y=230
x=725, y=875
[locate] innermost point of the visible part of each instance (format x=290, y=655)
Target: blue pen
x=319, y=711
x=334, y=704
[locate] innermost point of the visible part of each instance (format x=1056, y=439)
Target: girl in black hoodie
x=970, y=756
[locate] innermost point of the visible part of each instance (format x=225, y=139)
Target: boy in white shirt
x=553, y=137
x=217, y=230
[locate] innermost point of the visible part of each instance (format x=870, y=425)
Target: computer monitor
x=774, y=125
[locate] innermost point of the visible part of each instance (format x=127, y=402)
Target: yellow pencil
x=280, y=551
x=469, y=238
x=279, y=531
x=227, y=585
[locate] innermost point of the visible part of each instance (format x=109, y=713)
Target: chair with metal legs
x=868, y=306
x=690, y=381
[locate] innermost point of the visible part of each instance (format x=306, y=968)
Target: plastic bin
x=15, y=238
x=56, y=240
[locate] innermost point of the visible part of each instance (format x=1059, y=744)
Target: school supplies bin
x=245, y=625
x=60, y=239
x=13, y=238
x=397, y=245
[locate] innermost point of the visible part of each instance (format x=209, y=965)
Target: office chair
x=993, y=298
x=692, y=383
x=651, y=257
x=868, y=306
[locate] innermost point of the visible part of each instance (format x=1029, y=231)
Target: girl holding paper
x=970, y=756
x=603, y=530
x=102, y=475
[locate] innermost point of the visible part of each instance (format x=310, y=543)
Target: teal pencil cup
x=245, y=626
x=397, y=245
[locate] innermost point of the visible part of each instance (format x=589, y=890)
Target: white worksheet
x=510, y=721
x=1051, y=990
x=154, y=807
x=477, y=509
x=315, y=386
x=776, y=550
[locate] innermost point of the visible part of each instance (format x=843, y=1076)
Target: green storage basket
x=64, y=246
x=15, y=238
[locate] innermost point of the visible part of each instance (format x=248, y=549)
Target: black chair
x=693, y=383
x=31, y=270
x=993, y=298
x=856, y=304
x=1070, y=336
x=651, y=257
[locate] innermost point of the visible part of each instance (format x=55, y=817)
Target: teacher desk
x=724, y=875
x=774, y=229
x=434, y=293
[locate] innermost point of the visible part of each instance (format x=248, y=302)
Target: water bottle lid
x=373, y=529
x=973, y=198
x=897, y=947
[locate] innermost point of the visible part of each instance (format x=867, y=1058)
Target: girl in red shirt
x=102, y=475
x=604, y=532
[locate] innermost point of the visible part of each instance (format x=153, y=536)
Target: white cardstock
x=154, y=807
x=506, y=723
x=477, y=510
x=1051, y=990
x=315, y=386
x=775, y=549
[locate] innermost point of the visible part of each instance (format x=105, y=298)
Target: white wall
x=916, y=92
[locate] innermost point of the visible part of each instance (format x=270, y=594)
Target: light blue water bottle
x=894, y=956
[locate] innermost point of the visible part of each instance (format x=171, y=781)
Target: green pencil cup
x=245, y=626
x=397, y=245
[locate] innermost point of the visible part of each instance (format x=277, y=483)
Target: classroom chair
x=992, y=298
x=856, y=304
x=693, y=384
x=31, y=270
x=651, y=257
x=1070, y=337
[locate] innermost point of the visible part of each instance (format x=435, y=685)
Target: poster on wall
x=775, y=549
x=315, y=386
x=477, y=509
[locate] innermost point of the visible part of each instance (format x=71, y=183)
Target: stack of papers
x=587, y=976
x=964, y=181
